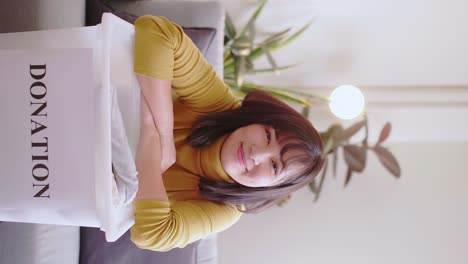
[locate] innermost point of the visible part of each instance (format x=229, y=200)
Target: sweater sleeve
x=163, y=51
x=161, y=227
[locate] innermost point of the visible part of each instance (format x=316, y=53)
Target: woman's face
x=251, y=156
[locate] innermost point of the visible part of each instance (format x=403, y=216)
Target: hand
x=158, y=103
x=168, y=151
x=148, y=128
x=148, y=158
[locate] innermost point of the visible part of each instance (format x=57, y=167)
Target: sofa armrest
x=95, y=249
x=38, y=243
x=207, y=250
x=30, y=15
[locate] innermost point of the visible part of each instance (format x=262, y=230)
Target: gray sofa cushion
x=201, y=36
x=94, y=249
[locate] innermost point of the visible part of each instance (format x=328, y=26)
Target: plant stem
x=273, y=90
x=366, y=129
x=313, y=96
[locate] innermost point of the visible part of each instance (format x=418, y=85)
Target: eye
x=275, y=167
x=268, y=136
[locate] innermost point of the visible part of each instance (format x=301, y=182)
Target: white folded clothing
x=123, y=163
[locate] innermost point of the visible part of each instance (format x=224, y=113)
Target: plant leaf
x=331, y=133
x=349, y=174
x=350, y=131
x=275, y=37
x=278, y=44
x=336, y=129
x=253, y=18
x=335, y=132
x=227, y=54
x=239, y=71
x=355, y=157
x=249, y=66
x=238, y=93
x=328, y=147
x=229, y=69
x=230, y=29
x=270, y=70
x=252, y=33
x=305, y=111
x=313, y=187
x=271, y=60
x=284, y=200
x=322, y=180
x=274, y=91
x=388, y=160
x=323, y=99
x=258, y=52
x=335, y=161
x=384, y=133
x=241, y=47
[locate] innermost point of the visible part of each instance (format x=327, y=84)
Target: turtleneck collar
x=211, y=161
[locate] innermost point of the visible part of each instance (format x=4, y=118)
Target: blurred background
x=410, y=60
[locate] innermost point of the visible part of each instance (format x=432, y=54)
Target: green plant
x=355, y=154
x=240, y=53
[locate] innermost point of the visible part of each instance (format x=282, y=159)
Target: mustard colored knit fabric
x=163, y=51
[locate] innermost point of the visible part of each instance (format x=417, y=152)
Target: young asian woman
x=204, y=157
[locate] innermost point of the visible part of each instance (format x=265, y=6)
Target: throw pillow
x=200, y=36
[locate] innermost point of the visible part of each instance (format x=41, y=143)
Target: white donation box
x=55, y=115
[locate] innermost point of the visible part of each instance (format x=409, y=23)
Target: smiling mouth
x=241, y=157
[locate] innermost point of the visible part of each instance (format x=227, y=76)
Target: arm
x=148, y=158
x=159, y=227
x=157, y=94
x=164, y=52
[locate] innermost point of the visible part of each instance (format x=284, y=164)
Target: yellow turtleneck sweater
x=163, y=51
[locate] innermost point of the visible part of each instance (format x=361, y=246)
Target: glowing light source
x=347, y=102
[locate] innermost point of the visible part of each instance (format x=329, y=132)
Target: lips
x=241, y=157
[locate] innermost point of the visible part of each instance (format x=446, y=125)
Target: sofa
x=39, y=243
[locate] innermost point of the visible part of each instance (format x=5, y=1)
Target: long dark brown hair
x=260, y=108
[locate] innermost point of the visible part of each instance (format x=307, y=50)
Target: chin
x=252, y=185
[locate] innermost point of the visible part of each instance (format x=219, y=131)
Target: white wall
x=411, y=61
x=408, y=57
x=367, y=42
x=420, y=218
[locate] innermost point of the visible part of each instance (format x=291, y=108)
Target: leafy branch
x=354, y=154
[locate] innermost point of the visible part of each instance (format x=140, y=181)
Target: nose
x=260, y=154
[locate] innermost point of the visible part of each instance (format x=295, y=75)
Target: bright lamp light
x=346, y=102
